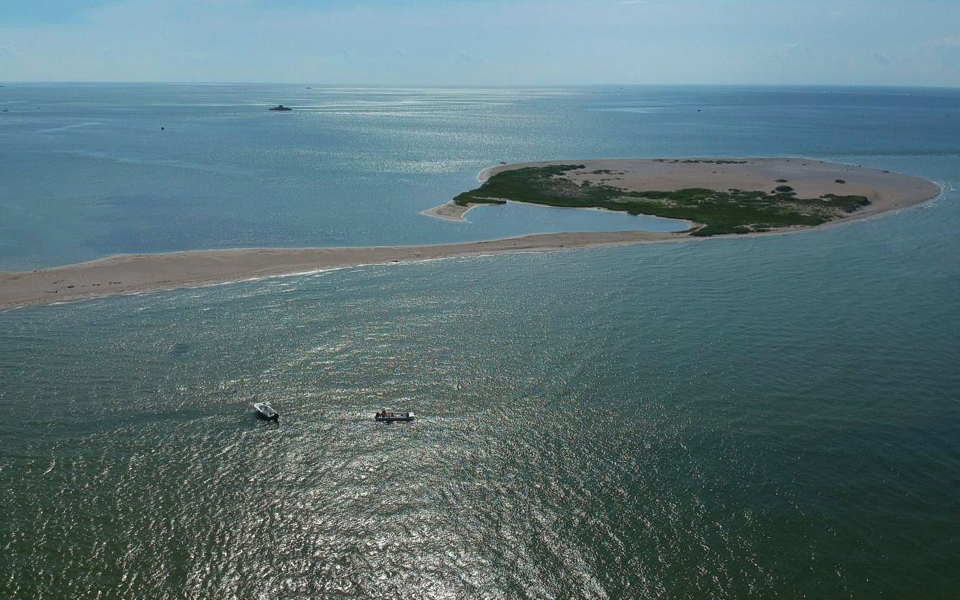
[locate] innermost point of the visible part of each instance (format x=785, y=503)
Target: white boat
x=389, y=416
x=265, y=411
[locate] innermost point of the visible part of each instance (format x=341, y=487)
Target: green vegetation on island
x=718, y=212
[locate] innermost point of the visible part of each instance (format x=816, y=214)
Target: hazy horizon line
x=476, y=86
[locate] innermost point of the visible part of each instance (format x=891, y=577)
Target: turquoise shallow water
x=768, y=417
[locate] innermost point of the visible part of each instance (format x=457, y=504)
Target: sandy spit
x=137, y=273
x=451, y=211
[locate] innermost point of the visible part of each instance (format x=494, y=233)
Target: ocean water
x=86, y=171
x=773, y=417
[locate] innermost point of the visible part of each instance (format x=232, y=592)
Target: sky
x=494, y=42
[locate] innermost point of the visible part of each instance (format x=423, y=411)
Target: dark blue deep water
x=772, y=417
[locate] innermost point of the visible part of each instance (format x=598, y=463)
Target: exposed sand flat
x=450, y=211
x=136, y=273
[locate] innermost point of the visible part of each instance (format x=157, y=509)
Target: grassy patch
x=733, y=211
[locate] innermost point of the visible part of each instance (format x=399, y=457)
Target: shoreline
x=451, y=211
x=140, y=273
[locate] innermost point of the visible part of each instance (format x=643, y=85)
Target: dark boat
x=281, y=107
x=265, y=411
x=388, y=416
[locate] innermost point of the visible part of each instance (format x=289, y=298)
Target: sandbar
x=138, y=273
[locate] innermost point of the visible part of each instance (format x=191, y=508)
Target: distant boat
x=281, y=107
x=265, y=411
x=388, y=416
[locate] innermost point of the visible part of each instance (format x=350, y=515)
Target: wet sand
x=136, y=273
x=450, y=211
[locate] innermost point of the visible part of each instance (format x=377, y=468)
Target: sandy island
x=810, y=178
x=136, y=273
